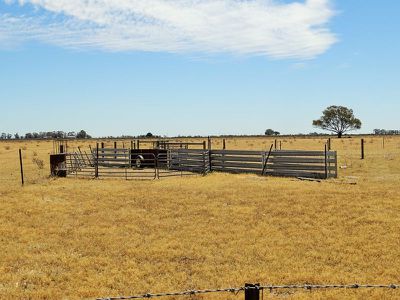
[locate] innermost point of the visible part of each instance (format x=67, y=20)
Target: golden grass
x=73, y=238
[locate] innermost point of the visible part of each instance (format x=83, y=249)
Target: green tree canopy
x=271, y=132
x=82, y=135
x=338, y=119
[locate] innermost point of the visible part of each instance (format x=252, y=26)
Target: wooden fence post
x=326, y=162
x=329, y=144
x=362, y=149
x=21, y=166
x=276, y=146
x=96, y=170
x=206, y=166
x=223, y=144
x=204, y=145
x=209, y=153
x=102, y=147
x=252, y=291
x=336, y=165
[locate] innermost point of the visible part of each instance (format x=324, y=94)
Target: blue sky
x=196, y=67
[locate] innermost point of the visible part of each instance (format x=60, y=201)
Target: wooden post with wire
x=252, y=291
x=362, y=149
x=209, y=153
x=96, y=170
x=326, y=162
x=21, y=167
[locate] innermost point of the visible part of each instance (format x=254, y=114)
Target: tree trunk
x=339, y=135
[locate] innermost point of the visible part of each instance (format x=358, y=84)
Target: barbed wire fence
x=252, y=291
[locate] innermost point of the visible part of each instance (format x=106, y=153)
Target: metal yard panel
x=159, y=162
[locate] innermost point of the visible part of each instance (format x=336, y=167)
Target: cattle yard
x=165, y=159
x=83, y=238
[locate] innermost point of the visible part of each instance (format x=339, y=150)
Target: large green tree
x=338, y=119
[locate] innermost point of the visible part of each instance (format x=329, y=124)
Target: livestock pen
x=164, y=159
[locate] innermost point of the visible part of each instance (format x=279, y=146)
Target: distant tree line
x=386, y=132
x=141, y=136
x=68, y=135
x=84, y=135
x=46, y=135
x=7, y=136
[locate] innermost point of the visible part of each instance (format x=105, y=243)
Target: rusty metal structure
x=163, y=159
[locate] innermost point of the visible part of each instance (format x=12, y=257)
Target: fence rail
x=134, y=163
x=312, y=164
x=156, y=163
x=190, y=160
x=252, y=291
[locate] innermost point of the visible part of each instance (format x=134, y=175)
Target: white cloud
x=244, y=27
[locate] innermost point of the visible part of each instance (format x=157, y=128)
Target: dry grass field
x=74, y=238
